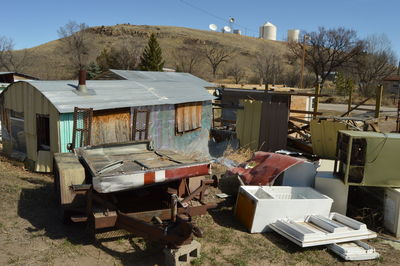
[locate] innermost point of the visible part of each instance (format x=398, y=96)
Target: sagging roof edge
x=95, y=109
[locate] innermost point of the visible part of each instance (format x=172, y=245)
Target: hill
x=48, y=61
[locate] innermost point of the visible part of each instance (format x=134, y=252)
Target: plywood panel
x=111, y=126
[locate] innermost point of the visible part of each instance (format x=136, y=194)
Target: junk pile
x=150, y=193
x=304, y=198
x=267, y=168
x=303, y=216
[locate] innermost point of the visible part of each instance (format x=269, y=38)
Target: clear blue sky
x=31, y=23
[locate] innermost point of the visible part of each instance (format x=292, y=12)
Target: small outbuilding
x=38, y=116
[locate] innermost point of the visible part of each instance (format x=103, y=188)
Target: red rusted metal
x=189, y=171
x=179, y=233
x=82, y=77
x=264, y=168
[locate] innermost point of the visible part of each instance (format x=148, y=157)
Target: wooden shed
x=261, y=116
x=37, y=116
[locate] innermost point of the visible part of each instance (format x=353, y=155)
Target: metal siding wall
x=22, y=97
x=324, y=137
x=162, y=130
x=66, y=126
x=248, y=123
x=274, y=126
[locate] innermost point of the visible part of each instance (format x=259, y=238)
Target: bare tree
x=74, y=37
x=268, y=67
x=10, y=60
x=127, y=57
x=187, y=59
x=217, y=54
x=376, y=62
x=326, y=50
x=237, y=72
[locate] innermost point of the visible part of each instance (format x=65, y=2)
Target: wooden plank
x=299, y=120
x=305, y=112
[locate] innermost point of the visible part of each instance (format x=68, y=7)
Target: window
x=43, y=132
x=17, y=131
x=187, y=117
x=140, y=124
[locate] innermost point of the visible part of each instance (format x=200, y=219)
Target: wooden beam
x=304, y=112
x=378, y=102
x=316, y=100
x=355, y=107
x=299, y=120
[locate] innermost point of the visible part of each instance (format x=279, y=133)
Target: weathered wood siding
x=188, y=116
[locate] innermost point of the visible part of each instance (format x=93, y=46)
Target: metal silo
x=293, y=35
x=268, y=31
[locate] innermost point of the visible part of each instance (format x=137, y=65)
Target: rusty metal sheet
x=264, y=167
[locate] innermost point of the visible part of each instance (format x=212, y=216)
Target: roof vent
x=81, y=89
x=82, y=81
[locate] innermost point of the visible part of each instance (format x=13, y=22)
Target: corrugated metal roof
x=110, y=94
x=142, y=76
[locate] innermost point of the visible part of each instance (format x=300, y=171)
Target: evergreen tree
x=93, y=70
x=151, y=59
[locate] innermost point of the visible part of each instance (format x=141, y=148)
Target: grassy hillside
x=48, y=61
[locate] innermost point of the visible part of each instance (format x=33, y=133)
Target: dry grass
x=47, y=61
x=32, y=233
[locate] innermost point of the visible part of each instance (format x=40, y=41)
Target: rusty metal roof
x=110, y=94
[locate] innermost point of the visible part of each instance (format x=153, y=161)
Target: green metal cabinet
x=368, y=158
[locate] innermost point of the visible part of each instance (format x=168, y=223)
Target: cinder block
x=183, y=255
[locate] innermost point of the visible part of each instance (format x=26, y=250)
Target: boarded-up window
x=111, y=126
x=187, y=117
x=43, y=132
x=140, y=124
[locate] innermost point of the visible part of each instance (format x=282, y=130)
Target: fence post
x=316, y=100
x=379, y=92
x=350, y=100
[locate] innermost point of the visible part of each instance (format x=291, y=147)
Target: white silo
x=268, y=31
x=293, y=35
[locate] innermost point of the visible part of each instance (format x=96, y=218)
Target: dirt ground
x=32, y=233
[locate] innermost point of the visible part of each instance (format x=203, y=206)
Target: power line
x=215, y=16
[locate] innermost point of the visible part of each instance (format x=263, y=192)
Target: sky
x=30, y=23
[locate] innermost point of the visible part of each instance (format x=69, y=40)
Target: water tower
x=268, y=31
x=293, y=35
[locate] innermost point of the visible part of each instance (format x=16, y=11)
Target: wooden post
x=316, y=100
x=379, y=92
x=350, y=100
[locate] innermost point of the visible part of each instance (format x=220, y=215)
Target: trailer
x=150, y=193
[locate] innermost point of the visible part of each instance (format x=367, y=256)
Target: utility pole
x=305, y=37
x=398, y=100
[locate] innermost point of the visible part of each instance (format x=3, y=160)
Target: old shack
x=37, y=116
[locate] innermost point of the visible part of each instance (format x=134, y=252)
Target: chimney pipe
x=82, y=81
